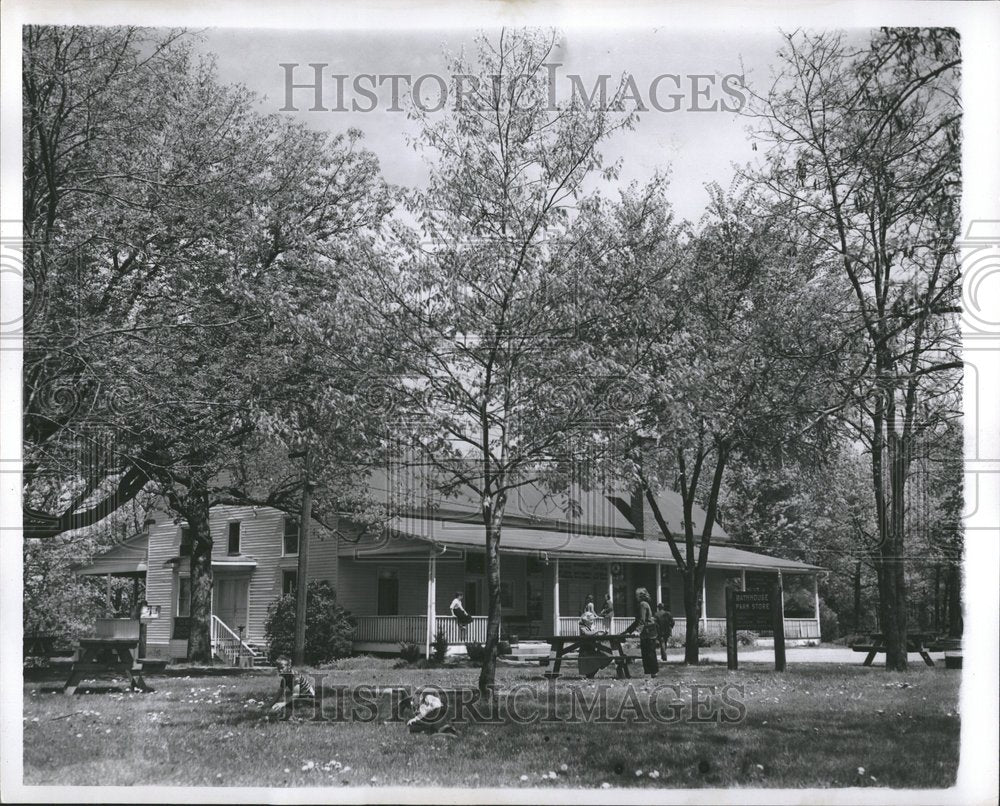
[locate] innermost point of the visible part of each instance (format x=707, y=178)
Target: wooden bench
x=590, y=665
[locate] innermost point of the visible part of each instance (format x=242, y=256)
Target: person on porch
x=588, y=619
x=646, y=624
x=462, y=617
x=608, y=611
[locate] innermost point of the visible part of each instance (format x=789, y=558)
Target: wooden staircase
x=228, y=647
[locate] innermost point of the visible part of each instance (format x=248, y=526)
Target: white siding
x=261, y=535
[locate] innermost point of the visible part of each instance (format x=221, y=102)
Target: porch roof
x=564, y=545
x=128, y=558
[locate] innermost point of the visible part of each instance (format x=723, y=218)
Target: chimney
x=637, y=511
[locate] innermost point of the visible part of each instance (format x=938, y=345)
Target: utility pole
x=301, y=584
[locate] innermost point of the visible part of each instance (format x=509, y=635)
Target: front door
x=230, y=601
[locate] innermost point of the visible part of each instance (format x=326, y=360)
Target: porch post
x=431, y=600
x=781, y=585
x=659, y=585
x=555, y=596
x=743, y=579
x=108, y=586
x=611, y=585
x=704, y=601
x=816, y=597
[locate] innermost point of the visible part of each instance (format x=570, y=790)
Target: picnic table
x=594, y=652
x=915, y=642
x=103, y=656
x=39, y=645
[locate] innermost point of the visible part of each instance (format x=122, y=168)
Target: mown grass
x=812, y=726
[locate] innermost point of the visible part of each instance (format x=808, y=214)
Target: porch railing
x=794, y=627
x=474, y=633
x=571, y=626
x=394, y=629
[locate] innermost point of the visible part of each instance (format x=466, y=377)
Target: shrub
x=475, y=651
x=716, y=639
x=409, y=651
x=440, y=646
x=829, y=624
x=329, y=628
x=746, y=638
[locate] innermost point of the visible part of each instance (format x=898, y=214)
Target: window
x=288, y=581
x=186, y=541
x=234, y=538
x=290, y=544
x=388, y=592
x=184, y=596
x=471, y=601
x=475, y=563
x=507, y=594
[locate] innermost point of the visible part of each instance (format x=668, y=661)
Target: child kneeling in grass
x=431, y=714
x=292, y=687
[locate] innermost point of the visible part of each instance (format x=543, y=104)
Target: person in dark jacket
x=664, y=627
x=646, y=624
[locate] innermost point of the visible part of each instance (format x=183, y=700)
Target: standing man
x=646, y=624
x=664, y=627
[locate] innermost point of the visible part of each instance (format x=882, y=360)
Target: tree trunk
x=857, y=596
x=492, y=519
x=894, y=605
x=692, y=616
x=954, y=585
x=200, y=639
x=937, y=598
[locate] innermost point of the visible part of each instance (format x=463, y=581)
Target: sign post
x=732, y=661
x=777, y=614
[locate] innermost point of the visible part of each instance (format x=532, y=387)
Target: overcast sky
x=696, y=147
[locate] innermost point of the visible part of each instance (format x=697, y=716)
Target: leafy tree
x=864, y=145
x=219, y=233
x=488, y=383
x=733, y=353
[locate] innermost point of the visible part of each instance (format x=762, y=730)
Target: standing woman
x=608, y=611
x=588, y=620
x=646, y=624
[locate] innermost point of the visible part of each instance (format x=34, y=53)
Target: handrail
x=222, y=634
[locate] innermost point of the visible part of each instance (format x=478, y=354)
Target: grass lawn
x=812, y=726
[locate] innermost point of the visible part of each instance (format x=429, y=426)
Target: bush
x=746, y=638
x=440, y=646
x=409, y=651
x=329, y=628
x=714, y=640
x=475, y=651
x=829, y=624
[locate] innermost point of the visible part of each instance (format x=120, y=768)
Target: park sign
x=756, y=611
x=753, y=610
